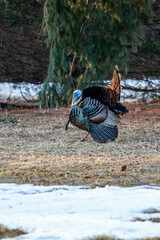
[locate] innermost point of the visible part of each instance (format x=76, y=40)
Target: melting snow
x=15, y=91
x=30, y=91
x=74, y=213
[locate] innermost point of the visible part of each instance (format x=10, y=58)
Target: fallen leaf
x=123, y=168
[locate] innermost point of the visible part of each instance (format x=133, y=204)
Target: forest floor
x=35, y=148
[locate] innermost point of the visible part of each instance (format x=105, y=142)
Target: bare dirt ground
x=35, y=148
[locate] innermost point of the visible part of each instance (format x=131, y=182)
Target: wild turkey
x=96, y=110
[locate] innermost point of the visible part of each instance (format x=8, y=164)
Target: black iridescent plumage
x=96, y=111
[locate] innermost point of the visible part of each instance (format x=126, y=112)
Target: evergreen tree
x=86, y=39
x=21, y=12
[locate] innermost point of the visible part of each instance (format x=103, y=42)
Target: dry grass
x=110, y=238
x=156, y=220
x=9, y=233
x=36, y=149
x=104, y=238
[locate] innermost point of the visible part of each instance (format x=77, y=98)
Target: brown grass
x=110, y=238
x=104, y=238
x=9, y=233
x=156, y=220
x=36, y=149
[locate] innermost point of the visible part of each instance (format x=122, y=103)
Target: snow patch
x=30, y=91
x=17, y=91
x=75, y=212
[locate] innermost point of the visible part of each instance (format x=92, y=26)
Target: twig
x=144, y=183
x=74, y=57
x=140, y=89
x=23, y=95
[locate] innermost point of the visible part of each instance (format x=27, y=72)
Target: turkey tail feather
x=120, y=108
x=116, y=83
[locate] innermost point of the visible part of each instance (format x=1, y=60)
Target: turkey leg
x=84, y=137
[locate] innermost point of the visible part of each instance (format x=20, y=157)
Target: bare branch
x=127, y=87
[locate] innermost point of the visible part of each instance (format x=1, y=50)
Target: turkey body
x=96, y=110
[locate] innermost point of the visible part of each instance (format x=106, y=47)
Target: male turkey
x=96, y=110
